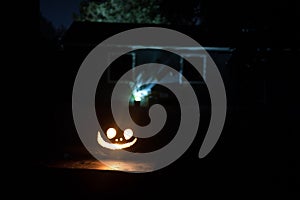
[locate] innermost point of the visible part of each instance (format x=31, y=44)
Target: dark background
x=258, y=151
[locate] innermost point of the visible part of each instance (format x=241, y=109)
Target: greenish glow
x=140, y=94
x=137, y=98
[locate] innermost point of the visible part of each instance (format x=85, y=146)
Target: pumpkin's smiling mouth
x=113, y=146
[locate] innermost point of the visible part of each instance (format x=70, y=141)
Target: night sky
x=59, y=12
x=249, y=12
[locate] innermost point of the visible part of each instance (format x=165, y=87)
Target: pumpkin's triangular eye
x=111, y=133
x=128, y=133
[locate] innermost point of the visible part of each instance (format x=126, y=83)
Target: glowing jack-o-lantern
x=111, y=134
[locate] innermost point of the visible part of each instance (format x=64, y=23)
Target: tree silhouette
x=119, y=11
